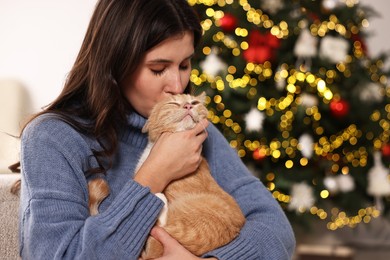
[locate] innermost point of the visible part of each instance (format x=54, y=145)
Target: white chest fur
x=144, y=155
x=162, y=219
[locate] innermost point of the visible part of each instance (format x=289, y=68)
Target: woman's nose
x=174, y=83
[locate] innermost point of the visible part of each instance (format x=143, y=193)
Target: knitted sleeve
x=55, y=221
x=267, y=233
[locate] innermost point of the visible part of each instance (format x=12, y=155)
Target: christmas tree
x=291, y=85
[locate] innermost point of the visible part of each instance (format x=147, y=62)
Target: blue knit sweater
x=55, y=221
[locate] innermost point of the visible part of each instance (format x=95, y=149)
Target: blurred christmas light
x=323, y=102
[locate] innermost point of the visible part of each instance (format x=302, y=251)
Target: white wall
x=379, y=28
x=39, y=40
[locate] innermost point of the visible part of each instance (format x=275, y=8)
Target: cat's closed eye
x=174, y=103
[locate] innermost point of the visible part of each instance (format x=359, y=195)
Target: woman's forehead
x=178, y=47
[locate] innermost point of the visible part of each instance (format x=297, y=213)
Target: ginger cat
x=198, y=212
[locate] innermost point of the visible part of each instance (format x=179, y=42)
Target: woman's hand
x=173, y=156
x=172, y=249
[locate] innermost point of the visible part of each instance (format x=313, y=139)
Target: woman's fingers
x=173, y=250
x=181, y=153
x=201, y=127
x=163, y=237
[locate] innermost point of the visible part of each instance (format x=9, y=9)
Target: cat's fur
x=200, y=214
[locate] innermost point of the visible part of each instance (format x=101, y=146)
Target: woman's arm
x=267, y=233
x=55, y=220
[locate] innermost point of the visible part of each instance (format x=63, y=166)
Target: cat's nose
x=188, y=106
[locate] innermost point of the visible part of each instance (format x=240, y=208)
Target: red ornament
x=228, y=22
x=261, y=48
x=386, y=150
x=259, y=154
x=339, y=108
x=257, y=54
x=313, y=16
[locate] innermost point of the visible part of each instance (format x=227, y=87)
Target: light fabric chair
x=12, y=111
x=9, y=210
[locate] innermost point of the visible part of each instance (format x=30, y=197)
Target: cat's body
x=200, y=214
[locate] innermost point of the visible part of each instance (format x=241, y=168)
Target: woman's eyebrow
x=159, y=60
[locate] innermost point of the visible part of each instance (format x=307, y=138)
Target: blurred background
x=299, y=87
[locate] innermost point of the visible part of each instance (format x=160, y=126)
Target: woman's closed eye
x=159, y=71
x=185, y=65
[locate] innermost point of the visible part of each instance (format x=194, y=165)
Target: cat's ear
x=145, y=129
x=202, y=97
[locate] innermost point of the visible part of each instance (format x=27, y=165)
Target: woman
x=135, y=53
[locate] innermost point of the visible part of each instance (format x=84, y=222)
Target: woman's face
x=164, y=70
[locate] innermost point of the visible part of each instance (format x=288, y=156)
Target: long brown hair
x=119, y=34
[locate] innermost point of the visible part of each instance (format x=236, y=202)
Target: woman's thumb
x=162, y=236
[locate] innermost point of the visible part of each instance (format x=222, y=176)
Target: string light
x=251, y=78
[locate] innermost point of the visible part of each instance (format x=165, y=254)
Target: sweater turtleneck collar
x=133, y=133
x=136, y=120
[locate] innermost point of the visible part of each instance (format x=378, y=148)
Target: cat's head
x=176, y=113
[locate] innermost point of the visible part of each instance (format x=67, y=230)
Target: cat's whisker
x=204, y=127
